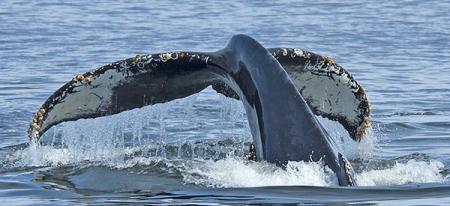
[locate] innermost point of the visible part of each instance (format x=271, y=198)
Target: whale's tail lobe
x=273, y=85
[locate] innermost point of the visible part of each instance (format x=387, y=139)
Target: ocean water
x=192, y=150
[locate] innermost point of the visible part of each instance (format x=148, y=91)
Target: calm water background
x=191, y=150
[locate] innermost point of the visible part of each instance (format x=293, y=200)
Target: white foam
x=233, y=172
x=412, y=171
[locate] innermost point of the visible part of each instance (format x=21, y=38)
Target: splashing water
x=413, y=171
x=233, y=172
x=168, y=138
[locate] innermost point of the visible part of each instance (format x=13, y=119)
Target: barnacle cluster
x=168, y=56
x=35, y=126
x=85, y=79
x=299, y=53
x=328, y=60
x=137, y=58
x=362, y=128
x=296, y=52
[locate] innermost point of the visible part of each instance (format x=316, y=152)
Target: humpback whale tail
x=281, y=90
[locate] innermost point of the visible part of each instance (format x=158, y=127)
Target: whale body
x=282, y=89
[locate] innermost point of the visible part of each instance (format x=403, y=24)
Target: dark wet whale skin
x=278, y=115
x=282, y=124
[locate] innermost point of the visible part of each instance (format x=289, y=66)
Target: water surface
x=193, y=150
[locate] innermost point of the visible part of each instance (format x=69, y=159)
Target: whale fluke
x=329, y=89
x=281, y=90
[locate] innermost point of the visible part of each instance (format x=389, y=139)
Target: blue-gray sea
x=192, y=150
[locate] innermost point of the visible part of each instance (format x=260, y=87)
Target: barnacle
x=362, y=128
x=307, y=55
x=328, y=60
x=87, y=80
x=296, y=52
x=284, y=52
x=137, y=58
x=77, y=78
x=166, y=56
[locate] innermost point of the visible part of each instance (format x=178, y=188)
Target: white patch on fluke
x=335, y=97
x=86, y=99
